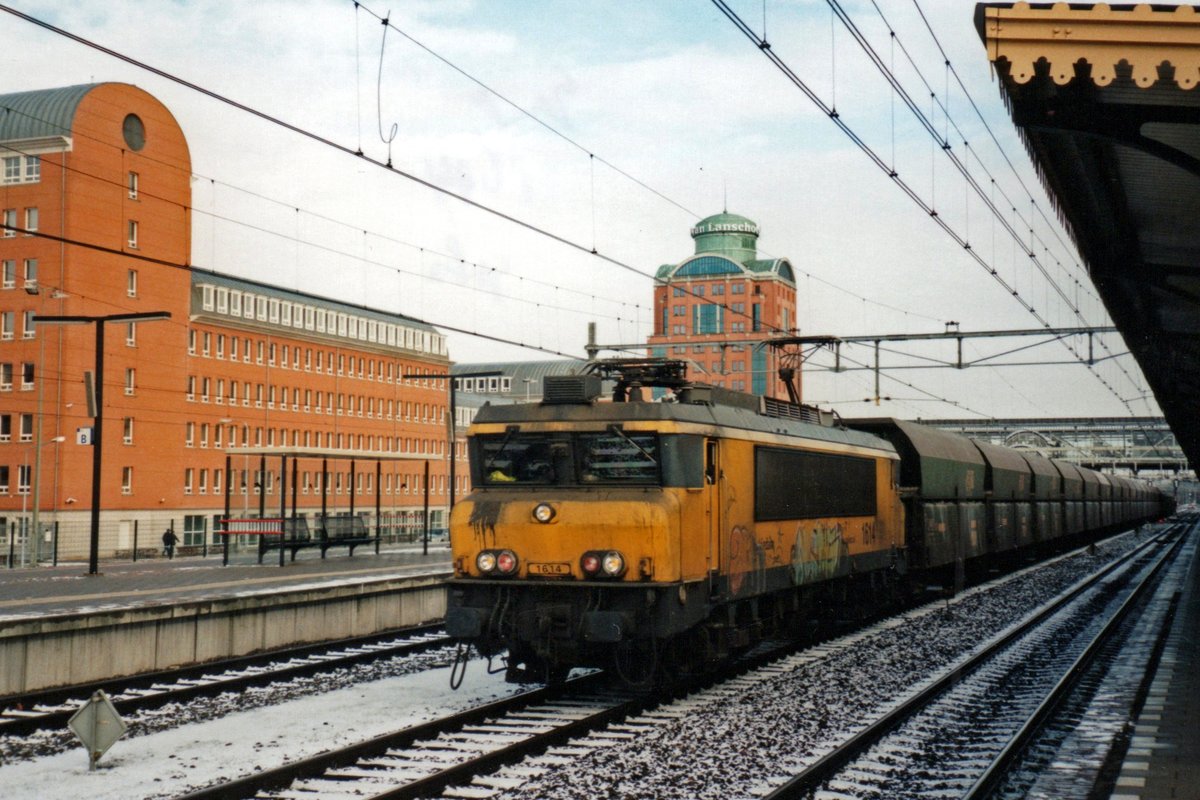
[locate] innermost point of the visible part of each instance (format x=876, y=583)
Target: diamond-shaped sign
x=98, y=726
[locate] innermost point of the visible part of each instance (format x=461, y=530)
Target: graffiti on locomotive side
x=747, y=559
x=819, y=552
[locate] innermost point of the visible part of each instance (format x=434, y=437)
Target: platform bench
x=333, y=532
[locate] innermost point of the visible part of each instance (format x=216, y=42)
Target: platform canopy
x=1106, y=101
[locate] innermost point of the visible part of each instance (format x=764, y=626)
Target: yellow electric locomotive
x=623, y=531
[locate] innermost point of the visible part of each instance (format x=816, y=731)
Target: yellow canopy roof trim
x=1144, y=37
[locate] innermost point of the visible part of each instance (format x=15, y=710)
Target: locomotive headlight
x=613, y=563
x=506, y=562
x=543, y=512
x=486, y=561
x=590, y=563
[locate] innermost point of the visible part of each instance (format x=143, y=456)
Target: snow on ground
x=173, y=762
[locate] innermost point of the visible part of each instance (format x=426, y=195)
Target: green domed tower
x=730, y=235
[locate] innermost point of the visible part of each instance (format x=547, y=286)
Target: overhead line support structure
x=98, y=418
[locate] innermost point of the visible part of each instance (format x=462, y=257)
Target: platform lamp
x=35, y=479
x=98, y=420
x=32, y=287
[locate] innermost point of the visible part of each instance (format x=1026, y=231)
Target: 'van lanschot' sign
x=725, y=227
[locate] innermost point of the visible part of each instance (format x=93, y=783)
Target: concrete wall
x=78, y=648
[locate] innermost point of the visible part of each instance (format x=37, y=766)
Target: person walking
x=169, y=539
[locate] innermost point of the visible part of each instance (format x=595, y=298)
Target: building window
x=27, y=376
x=6, y=376
x=130, y=380
x=7, y=323
x=33, y=169
x=131, y=283
x=23, y=474
x=206, y=297
x=131, y=334
x=189, y=435
x=10, y=222
x=31, y=273
x=12, y=169
x=132, y=230
x=127, y=430
x=26, y=422
x=193, y=524
x=3, y=482
x=8, y=274
x=189, y=475
x=28, y=326
x=5, y=427
x=133, y=186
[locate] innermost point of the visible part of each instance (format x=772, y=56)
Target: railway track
x=24, y=714
x=510, y=743
x=961, y=735
x=472, y=753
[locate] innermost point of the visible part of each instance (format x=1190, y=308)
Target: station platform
x=68, y=589
x=1163, y=760
x=60, y=626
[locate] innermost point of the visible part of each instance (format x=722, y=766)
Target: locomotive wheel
x=636, y=663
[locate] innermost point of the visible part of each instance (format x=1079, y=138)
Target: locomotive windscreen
x=612, y=457
x=794, y=484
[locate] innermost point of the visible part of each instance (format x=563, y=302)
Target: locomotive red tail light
x=590, y=563
x=506, y=562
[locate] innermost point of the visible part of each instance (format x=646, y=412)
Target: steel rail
x=24, y=720
x=812, y=777
x=319, y=764
x=1008, y=756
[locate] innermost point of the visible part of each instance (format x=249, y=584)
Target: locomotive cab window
x=611, y=457
x=618, y=457
x=516, y=459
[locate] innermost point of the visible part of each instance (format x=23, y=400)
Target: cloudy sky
x=573, y=126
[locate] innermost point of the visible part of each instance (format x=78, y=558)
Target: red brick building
x=95, y=200
x=716, y=308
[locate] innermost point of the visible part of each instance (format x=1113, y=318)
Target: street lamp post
x=36, y=479
x=98, y=419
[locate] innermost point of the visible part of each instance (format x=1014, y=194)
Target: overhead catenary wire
x=493, y=211
x=592, y=157
x=777, y=61
x=323, y=140
x=1049, y=224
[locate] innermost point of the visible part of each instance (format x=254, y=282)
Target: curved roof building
x=716, y=307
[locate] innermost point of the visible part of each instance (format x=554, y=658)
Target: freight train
x=627, y=532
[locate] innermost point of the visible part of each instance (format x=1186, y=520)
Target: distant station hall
x=127, y=376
